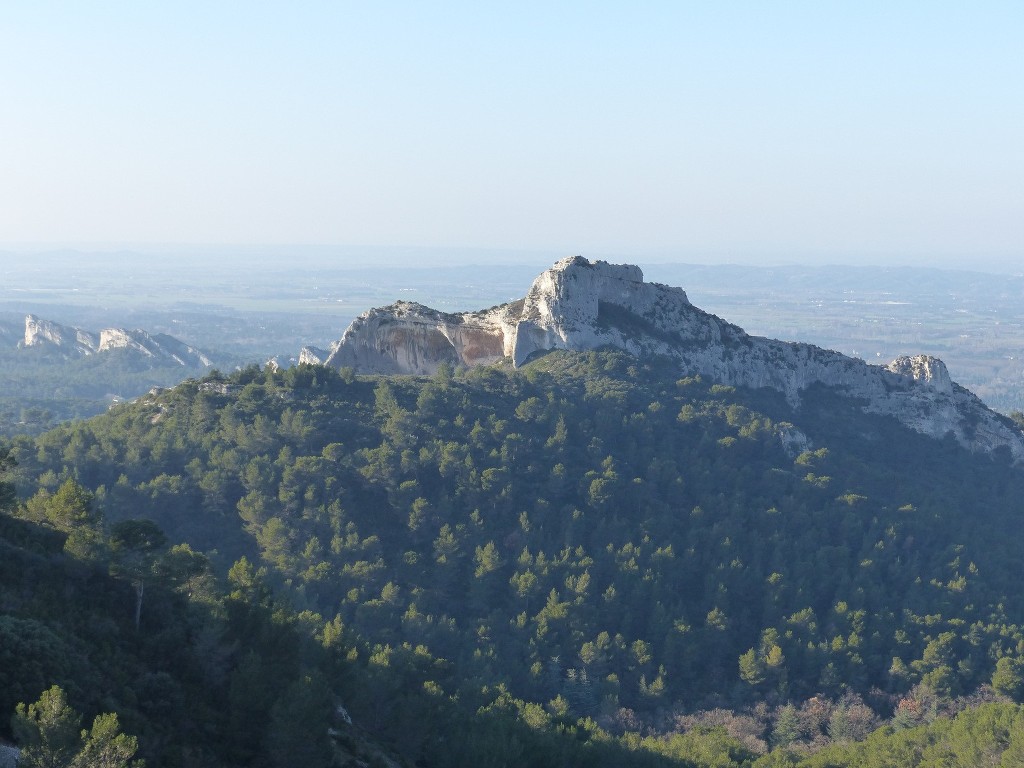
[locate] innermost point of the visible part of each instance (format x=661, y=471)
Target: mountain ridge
x=582, y=305
x=73, y=342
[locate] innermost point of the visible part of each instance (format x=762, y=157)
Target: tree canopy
x=589, y=545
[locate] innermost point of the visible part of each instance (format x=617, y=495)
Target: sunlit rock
x=582, y=305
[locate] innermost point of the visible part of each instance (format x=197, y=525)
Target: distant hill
x=51, y=372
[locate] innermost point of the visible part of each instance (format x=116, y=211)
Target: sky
x=707, y=132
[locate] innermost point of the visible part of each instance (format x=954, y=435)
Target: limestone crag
x=314, y=355
x=924, y=368
x=407, y=337
x=159, y=346
x=73, y=342
x=580, y=305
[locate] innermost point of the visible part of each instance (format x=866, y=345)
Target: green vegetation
x=587, y=561
x=40, y=389
x=48, y=732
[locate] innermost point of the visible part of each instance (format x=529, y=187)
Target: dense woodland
x=586, y=561
x=40, y=388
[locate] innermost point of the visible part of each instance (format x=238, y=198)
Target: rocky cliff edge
x=582, y=305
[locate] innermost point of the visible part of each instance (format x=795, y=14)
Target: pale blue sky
x=698, y=131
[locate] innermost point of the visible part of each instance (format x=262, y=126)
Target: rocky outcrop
x=160, y=346
x=75, y=342
x=407, y=337
x=314, y=355
x=583, y=305
x=924, y=368
x=72, y=341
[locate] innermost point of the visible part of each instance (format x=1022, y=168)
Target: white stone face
x=117, y=338
x=73, y=341
x=924, y=368
x=313, y=356
x=77, y=342
x=583, y=305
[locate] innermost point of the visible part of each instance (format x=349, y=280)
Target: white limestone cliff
x=583, y=305
x=76, y=342
x=315, y=355
x=410, y=338
x=159, y=346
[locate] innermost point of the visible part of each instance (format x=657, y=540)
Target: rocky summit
x=583, y=305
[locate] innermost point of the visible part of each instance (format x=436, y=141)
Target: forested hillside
x=585, y=559
x=39, y=388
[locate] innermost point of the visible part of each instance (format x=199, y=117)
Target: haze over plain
x=745, y=132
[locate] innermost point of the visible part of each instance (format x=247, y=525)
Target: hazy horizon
x=298, y=257
x=695, y=132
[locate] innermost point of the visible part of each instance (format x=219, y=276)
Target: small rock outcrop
x=924, y=368
x=314, y=355
x=583, y=305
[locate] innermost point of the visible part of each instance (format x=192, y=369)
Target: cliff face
x=410, y=338
x=73, y=341
x=579, y=305
x=160, y=346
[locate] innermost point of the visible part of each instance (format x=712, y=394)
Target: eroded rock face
x=313, y=355
x=159, y=346
x=574, y=305
x=924, y=368
x=582, y=305
x=407, y=337
x=75, y=341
